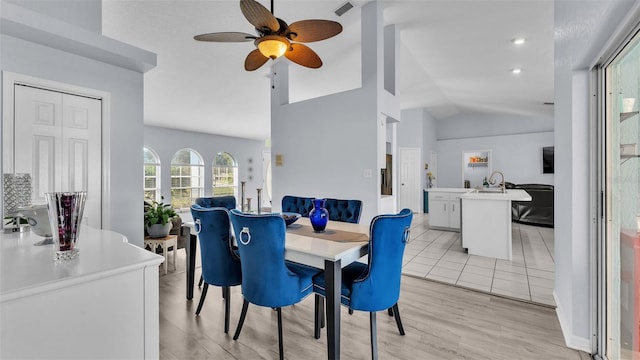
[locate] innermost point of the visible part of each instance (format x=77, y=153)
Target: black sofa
x=538, y=211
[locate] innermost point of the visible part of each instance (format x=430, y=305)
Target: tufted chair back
x=227, y=201
x=339, y=210
x=297, y=204
x=344, y=210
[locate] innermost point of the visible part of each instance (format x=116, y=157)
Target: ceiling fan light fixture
x=272, y=46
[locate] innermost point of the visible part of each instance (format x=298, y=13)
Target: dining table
x=337, y=246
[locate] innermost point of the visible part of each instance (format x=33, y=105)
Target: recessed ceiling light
x=516, y=71
x=518, y=41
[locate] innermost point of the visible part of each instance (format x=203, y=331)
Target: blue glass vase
x=319, y=216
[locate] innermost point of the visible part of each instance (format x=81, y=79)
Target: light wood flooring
x=441, y=322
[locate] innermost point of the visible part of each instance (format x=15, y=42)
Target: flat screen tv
x=547, y=160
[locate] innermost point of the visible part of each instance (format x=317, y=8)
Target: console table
x=165, y=243
x=103, y=303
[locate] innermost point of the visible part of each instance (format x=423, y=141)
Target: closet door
x=57, y=139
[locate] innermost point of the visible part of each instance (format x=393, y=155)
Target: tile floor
x=437, y=255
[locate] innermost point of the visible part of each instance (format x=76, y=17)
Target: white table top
x=313, y=251
x=26, y=269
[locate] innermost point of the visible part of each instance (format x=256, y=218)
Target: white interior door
x=410, y=193
x=57, y=139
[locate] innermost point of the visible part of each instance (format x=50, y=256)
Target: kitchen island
x=486, y=221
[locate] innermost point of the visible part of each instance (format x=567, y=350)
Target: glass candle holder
x=65, y=216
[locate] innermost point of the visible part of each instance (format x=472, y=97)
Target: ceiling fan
x=276, y=38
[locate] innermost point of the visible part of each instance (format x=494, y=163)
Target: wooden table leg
x=175, y=253
x=166, y=259
x=333, y=278
x=190, y=248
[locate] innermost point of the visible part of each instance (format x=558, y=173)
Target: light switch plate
x=628, y=149
x=368, y=173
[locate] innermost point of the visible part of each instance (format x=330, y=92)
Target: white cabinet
x=444, y=209
x=102, y=304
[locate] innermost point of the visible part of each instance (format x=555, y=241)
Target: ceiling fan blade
x=254, y=60
x=303, y=55
x=225, y=37
x=313, y=30
x=258, y=15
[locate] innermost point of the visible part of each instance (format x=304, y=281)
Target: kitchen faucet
x=492, y=181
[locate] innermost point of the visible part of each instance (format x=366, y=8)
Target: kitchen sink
x=491, y=190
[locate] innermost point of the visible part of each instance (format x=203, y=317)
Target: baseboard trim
x=572, y=341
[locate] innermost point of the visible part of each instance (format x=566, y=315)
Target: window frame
x=179, y=175
x=157, y=164
x=215, y=185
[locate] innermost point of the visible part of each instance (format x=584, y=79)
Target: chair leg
x=390, y=311
x=323, y=308
x=280, y=333
x=202, y=296
x=319, y=318
x=226, y=295
x=243, y=314
x=350, y=311
x=201, y=281
x=396, y=314
x=374, y=335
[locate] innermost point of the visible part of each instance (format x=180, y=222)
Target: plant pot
x=159, y=230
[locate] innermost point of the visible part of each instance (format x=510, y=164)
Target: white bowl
x=38, y=218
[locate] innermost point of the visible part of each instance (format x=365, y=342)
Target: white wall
x=478, y=125
x=518, y=157
x=582, y=30
x=247, y=153
x=325, y=150
x=126, y=126
x=83, y=13
x=329, y=143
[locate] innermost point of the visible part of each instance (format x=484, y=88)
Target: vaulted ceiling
x=455, y=57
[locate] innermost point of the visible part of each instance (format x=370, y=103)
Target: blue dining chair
x=224, y=201
x=268, y=280
x=220, y=264
x=374, y=286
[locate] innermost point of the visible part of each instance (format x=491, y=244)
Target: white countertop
x=449, y=190
x=27, y=269
x=508, y=195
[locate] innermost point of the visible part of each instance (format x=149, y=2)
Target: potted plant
x=157, y=218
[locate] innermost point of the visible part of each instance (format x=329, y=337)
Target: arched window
x=151, y=175
x=187, y=169
x=225, y=175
